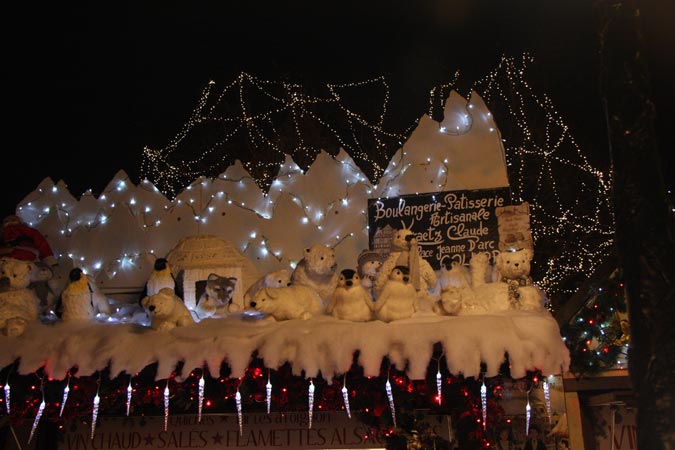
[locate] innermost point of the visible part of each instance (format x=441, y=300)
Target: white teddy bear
x=317, y=270
x=166, y=310
x=285, y=303
x=275, y=279
x=514, y=268
x=19, y=305
x=404, y=253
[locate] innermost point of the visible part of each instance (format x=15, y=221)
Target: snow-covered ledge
x=320, y=346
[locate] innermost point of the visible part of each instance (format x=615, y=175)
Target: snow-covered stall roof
x=321, y=345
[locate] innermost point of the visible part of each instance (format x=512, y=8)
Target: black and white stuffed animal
x=160, y=277
x=81, y=299
x=398, y=299
x=350, y=300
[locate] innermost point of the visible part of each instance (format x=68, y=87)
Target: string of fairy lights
x=571, y=223
x=263, y=106
x=572, y=218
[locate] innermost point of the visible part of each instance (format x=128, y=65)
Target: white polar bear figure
x=317, y=270
x=166, y=310
x=350, y=301
x=285, y=303
x=19, y=305
x=275, y=279
x=404, y=253
x=398, y=299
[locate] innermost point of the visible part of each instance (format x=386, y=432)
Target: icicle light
x=166, y=406
x=129, y=392
x=37, y=419
x=268, y=393
x=7, y=397
x=94, y=414
x=345, y=397
x=547, y=399
x=310, y=400
x=66, y=390
x=201, y=398
x=390, y=397
x=439, y=386
x=237, y=400
x=483, y=402
x=528, y=412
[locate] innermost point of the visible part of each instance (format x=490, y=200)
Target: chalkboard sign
x=448, y=225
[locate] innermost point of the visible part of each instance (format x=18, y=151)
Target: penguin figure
x=161, y=277
x=350, y=300
x=398, y=299
x=81, y=301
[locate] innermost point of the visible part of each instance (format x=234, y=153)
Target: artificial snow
x=320, y=346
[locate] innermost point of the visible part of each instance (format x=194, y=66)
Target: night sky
x=91, y=84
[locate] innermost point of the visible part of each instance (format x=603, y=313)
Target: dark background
x=89, y=85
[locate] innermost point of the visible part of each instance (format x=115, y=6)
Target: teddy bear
x=166, y=310
x=404, y=253
x=398, y=299
x=275, y=279
x=350, y=301
x=514, y=269
x=368, y=266
x=19, y=304
x=515, y=290
x=81, y=299
x=317, y=270
x=216, y=301
x=293, y=302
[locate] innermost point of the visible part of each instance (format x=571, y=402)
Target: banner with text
x=448, y=225
x=332, y=430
